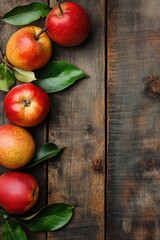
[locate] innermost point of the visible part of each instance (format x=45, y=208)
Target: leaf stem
x=4, y=60
x=6, y=63
x=1, y=55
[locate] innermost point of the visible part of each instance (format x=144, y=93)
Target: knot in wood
x=152, y=86
x=97, y=165
x=149, y=165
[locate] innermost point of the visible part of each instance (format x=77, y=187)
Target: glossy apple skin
x=24, y=51
x=70, y=28
x=18, y=192
x=17, y=146
x=26, y=105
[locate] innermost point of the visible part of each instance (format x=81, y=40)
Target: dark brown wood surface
x=133, y=117
x=77, y=122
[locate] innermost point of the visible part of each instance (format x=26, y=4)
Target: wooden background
x=134, y=132
x=76, y=121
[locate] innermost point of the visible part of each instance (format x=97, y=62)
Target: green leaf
x=6, y=77
x=26, y=14
x=12, y=231
x=45, y=152
x=56, y=76
x=5, y=214
x=50, y=218
x=23, y=76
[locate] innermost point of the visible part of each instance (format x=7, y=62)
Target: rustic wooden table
x=76, y=121
x=134, y=142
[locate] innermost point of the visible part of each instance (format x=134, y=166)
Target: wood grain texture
x=77, y=122
x=134, y=143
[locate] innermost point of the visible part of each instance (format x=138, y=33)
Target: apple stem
x=42, y=31
x=60, y=8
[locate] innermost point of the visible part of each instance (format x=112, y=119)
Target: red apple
x=68, y=24
x=28, y=51
x=18, y=192
x=26, y=105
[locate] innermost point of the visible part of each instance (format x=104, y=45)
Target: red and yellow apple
x=17, y=146
x=18, y=192
x=26, y=105
x=68, y=24
x=28, y=50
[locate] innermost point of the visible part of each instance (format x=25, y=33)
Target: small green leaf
x=5, y=214
x=6, y=77
x=26, y=14
x=12, y=231
x=23, y=76
x=45, y=152
x=56, y=76
x=50, y=218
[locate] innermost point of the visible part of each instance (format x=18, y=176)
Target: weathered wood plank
x=39, y=132
x=133, y=150
x=77, y=122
